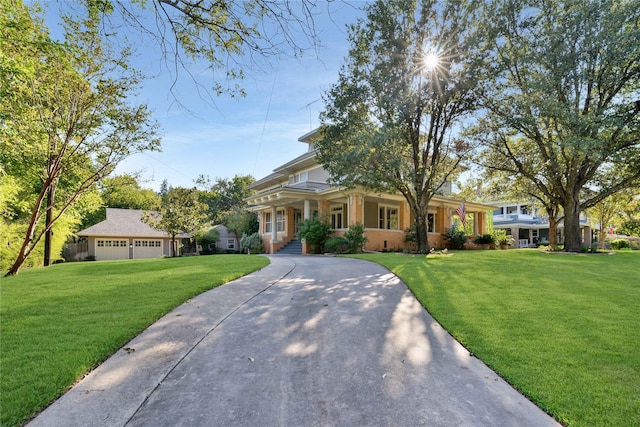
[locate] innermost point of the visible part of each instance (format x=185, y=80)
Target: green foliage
x=315, y=232
x=337, y=245
x=410, y=236
x=67, y=119
x=501, y=237
x=561, y=103
x=180, y=212
x=455, y=237
x=225, y=203
x=630, y=228
x=252, y=243
x=206, y=238
x=125, y=192
x=355, y=238
x=243, y=222
x=619, y=243
x=388, y=121
x=59, y=323
x=484, y=239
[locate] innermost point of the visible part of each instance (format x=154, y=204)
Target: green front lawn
x=563, y=329
x=59, y=322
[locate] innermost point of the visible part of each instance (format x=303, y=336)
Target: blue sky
x=250, y=135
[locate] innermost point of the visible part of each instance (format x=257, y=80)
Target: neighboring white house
x=530, y=227
x=123, y=235
x=299, y=189
x=227, y=239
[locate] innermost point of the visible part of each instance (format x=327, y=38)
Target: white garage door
x=147, y=249
x=112, y=249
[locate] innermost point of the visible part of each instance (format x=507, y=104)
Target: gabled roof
x=223, y=230
x=123, y=223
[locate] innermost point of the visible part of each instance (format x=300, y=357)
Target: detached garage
x=123, y=235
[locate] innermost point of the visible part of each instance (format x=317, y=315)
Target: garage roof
x=123, y=223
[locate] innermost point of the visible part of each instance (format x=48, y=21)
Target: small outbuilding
x=227, y=240
x=123, y=235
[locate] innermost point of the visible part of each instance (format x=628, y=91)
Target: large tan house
x=298, y=189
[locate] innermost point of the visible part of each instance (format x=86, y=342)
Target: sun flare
x=431, y=61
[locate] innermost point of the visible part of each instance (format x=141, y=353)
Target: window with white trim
x=388, y=217
x=337, y=217
x=280, y=221
x=431, y=223
x=298, y=177
x=267, y=222
x=231, y=244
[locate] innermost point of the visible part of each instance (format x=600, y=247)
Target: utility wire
x=266, y=117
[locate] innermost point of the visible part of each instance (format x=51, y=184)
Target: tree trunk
x=553, y=231
x=25, y=249
x=173, y=246
x=602, y=236
x=48, y=224
x=422, y=232
x=572, y=235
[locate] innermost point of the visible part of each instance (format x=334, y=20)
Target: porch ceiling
x=280, y=197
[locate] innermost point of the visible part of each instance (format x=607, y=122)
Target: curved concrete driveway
x=306, y=341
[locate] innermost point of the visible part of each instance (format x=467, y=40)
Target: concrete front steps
x=294, y=247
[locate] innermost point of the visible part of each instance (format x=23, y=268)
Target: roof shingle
x=123, y=223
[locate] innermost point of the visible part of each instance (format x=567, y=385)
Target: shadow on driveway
x=307, y=341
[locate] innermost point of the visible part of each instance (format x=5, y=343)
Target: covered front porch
x=385, y=217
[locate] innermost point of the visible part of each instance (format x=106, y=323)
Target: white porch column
x=475, y=223
x=274, y=224
x=307, y=209
x=515, y=233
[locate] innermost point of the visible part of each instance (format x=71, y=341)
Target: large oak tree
x=562, y=98
x=389, y=122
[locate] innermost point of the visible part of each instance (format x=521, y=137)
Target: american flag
x=462, y=214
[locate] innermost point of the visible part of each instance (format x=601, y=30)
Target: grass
x=59, y=322
x=562, y=329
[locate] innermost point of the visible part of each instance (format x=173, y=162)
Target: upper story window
x=298, y=177
x=388, y=217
